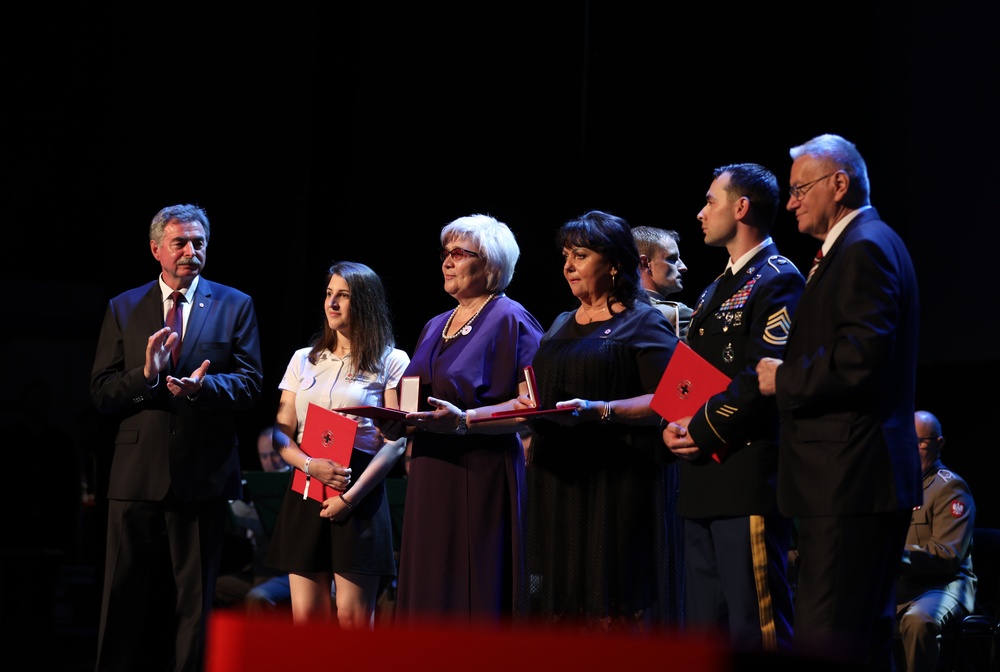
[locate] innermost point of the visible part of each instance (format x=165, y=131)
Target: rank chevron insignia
x=776, y=331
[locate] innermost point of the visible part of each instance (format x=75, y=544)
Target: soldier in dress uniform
x=936, y=583
x=736, y=542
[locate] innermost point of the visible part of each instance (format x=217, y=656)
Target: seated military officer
x=936, y=583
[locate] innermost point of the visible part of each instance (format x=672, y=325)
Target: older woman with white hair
x=462, y=557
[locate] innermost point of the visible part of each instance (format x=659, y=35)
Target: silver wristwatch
x=463, y=425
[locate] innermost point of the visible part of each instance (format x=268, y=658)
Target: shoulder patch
x=957, y=508
x=778, y=324
x=945, y=475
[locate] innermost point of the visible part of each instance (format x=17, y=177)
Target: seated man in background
x=249, y=583
x=936, y=583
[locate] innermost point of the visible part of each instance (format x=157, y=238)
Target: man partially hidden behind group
x=176, y=463
x=845, y=391
x=660, y=271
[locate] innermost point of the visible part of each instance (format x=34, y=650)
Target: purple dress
x=462, y=553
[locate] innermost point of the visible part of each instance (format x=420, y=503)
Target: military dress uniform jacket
x=735, y=323
x=938, y=551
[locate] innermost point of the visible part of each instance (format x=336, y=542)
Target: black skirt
x=305, y=542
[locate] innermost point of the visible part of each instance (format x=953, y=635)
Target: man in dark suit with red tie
x=845, y=391
x=176, y=462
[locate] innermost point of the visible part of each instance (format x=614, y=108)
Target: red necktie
x=175, y=320
x=816, y=260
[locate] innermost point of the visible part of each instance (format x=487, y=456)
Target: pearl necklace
x=467, y=327
x=590, y=318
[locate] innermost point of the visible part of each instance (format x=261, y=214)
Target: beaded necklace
x=467, y=327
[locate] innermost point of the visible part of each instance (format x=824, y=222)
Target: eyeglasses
x=798, y=192
x=457, y=254
x=921, y=440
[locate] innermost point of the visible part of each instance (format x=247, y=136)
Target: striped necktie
x=175, y=320
x=816, y=260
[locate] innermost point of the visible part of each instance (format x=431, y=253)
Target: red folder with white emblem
x=687, y=383
x=327, y=435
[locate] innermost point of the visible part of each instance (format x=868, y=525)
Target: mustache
x=189, y=261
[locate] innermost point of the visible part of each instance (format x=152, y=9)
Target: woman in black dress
x=594, y=474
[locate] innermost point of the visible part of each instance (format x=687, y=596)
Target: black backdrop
x=316, y=131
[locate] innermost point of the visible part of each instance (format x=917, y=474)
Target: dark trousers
x=160, y=571
x=737, y=583
x=845, y=602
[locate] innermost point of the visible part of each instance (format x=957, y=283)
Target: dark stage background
x=322, y=131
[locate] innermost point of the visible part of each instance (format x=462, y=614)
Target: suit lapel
x=149, y=311
x=830, y=259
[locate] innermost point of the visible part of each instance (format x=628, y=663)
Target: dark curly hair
x=611, y=236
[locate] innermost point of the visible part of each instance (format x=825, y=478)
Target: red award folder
x=327, y=435
x=687, y=383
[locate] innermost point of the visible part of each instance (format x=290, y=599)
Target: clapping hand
x=191, y=385
x=158, y=350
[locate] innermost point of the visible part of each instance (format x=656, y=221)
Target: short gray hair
x=178, y=213
x=497, y=246
x=844, y=156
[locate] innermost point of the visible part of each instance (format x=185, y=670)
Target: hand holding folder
x=687, y=383
x=326, y=435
